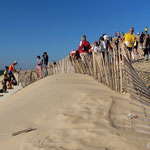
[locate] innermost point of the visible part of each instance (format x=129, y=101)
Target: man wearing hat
x=11, y=70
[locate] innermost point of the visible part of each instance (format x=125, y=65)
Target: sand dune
x=143, y=69
x=70, y=112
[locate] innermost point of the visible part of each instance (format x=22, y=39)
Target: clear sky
x=30, y=27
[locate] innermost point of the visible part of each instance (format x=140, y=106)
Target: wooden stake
x=22, y=131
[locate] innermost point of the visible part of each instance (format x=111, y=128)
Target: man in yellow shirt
x=129, y=39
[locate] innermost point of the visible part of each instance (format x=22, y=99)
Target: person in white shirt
x=102, y=46
x=105, y=36
x=95, y=47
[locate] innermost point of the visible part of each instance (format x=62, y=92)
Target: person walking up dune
x=129, y=39
x=142, y=40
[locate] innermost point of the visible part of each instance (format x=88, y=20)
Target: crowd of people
x=9, y=79
x=133, y=43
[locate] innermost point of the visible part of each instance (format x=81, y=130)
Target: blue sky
x=30, y=27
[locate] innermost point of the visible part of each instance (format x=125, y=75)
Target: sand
x=143, y=69
x=69, y=112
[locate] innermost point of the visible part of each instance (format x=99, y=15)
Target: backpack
x=14, y=82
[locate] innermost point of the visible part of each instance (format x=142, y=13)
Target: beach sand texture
x=69, y=112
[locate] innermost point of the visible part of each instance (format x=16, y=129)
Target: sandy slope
x=143, y=69
x=70, y=112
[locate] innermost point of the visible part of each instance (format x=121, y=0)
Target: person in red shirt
x=11, y=75
x=72, y=53
x=84, y=47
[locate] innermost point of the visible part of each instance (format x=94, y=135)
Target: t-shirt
x=105, y=37
x=129, y=39
x=5, y=75
x=102, y=47
x=147, y=43
x=84, y=45
x=142, y=38
x=39, y=62
x=136, y=43
x=95, y=48
x=146, y=29
x=12, y=68
x=46, y=60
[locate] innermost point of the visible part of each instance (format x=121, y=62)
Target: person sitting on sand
x=11, y=75
x=129, y=39
x=39, y=67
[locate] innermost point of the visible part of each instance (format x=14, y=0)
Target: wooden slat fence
x=114, y=70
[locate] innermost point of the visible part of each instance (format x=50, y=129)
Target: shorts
x=7, y=80
x=135, y=47
x=129, y=49
x=148, y=49
x=9, y=72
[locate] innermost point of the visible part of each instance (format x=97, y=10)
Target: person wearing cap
x=129, y=40
x=11, y=70
x=84, y=47
x=105, y=36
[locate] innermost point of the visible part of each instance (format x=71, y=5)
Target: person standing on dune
x=11, y=71
x=102, y=47
x=6, y=79
x=45, y=59
x=147, y=46
x=129, y=40
x=146, y=30
x=39, y=67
